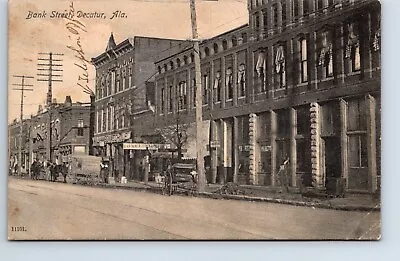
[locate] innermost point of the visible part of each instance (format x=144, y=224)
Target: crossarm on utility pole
x=22, y=88
x=49, y=77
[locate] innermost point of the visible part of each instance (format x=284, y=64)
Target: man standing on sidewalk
x=104, y=170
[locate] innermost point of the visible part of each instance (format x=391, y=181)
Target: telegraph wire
x=21, y=87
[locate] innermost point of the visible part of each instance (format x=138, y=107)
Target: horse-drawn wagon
x=85, y=169
x=180, y=177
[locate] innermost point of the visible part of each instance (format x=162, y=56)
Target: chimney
x=40, y=108
x=68, y=101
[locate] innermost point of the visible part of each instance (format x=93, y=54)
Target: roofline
x=204, y=41
x=227, y=32
x=174, y=54
x=131, y=41
x=122, y=44
x=159, y=38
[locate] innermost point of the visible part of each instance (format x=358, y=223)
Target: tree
x=176, y=134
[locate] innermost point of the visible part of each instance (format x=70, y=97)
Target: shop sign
x=266, y=148
x=144, y=146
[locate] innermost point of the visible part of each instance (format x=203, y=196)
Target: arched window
x=234, y=41
x=192, y=57
x=159, y=69
x=224, y=45
x=178, y=62
x=306, y=7
x=207, y=51
x=241, y=80
x=303, y=59
x=244, y=37
x=326, y=54
x=185, y=59
x=171, y=64
x=229, y=83
x=280, y=66
x=215, y=48
x=165, y=68
x=352, y=51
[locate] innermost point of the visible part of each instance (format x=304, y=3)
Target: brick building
x=70, y=130
x=13, y=144
x=122, y=74
x=70, y=133
x=298, y=88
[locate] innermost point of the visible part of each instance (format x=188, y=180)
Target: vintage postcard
x=194, y=120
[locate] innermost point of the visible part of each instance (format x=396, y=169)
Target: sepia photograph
x=194, y=120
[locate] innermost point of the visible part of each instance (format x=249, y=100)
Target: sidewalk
x=351, y=202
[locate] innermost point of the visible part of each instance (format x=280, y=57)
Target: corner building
x=122, y=72
x=300, y=83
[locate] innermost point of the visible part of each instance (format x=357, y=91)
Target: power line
x=22, y=87
x=52, y=65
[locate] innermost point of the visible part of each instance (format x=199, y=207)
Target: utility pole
x=50, y=68
x=199, y=100
x=22, y=88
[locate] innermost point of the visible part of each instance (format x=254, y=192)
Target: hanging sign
x=144, y=146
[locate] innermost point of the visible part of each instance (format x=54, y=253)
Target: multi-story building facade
x=70, y=133
x=13, y=144
x=122, y=72
x=298, y=88
x=70, y=130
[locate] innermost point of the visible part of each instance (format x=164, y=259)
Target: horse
x=35, y=170
x=55, y=170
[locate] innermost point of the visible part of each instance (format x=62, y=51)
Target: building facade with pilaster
x=122, y=73
x=297, y=91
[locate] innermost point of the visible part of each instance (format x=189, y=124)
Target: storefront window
x=358, y=151
x=283, y=123
x=264, y=133
x=264, y=126
x=357, y=133
x=357, y=119
x=282, y=152
x=302, y=151
x=303, y=154
x=330, y=118
x=243, y=141
x=265, y=160
x=283, y=137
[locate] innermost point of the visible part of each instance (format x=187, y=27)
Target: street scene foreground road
x=45, y=210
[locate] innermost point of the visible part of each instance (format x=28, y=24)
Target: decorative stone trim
x=315, y=144
x=252, y=154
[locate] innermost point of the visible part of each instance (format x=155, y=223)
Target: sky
x=155, y=18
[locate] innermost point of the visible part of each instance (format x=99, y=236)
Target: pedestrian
x=34, y=169
x=104, y=170
x=116, y=175
x=16, y=168
x=169, y=178
x=64, y=171
x=140, y=171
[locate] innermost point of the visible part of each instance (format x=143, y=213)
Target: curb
x=291, y=202
x=321, y=205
